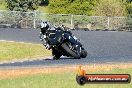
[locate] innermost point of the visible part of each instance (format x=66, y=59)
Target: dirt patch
x=47, y=70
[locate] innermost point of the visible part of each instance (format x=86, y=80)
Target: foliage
x=22, y=5
x=129, y=8
x=91, y=7
x=2, y=5
x=79, y=7
x=109, y=8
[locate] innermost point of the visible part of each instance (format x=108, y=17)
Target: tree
x=82, y=8
x=79, y=7
x=129, y=8
x=109, y=8
x=22, y=5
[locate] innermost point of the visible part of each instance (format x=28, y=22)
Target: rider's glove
x=42, y=37
x=48, y=47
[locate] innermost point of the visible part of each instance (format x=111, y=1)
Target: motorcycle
x=61, y=41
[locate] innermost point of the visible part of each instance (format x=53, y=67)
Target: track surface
x=102, y=47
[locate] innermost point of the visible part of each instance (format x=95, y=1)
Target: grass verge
x=18, y=51
x=59, y=80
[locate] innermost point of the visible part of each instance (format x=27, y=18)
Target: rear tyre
x=76, y=55
x=83, y=53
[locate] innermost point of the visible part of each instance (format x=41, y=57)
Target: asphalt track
x=102, y=46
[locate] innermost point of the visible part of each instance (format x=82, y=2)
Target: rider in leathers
x=44, y=27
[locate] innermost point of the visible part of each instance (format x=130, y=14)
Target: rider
x=44, y=27
x=64, y=29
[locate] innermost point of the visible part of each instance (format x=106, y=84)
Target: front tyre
x=70, y=52
x=56, y=55
x=83, y=53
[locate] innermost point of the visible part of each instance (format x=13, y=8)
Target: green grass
x=15, y=50
x=58, y=80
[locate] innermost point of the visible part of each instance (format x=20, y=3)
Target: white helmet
x=44, y=25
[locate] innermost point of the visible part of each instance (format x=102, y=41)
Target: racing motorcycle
x=61, y=41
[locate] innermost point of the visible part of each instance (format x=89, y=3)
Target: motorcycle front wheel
x=83, y=53
x=71, y=52
x=56, y=55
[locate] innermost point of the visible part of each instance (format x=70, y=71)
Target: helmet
x=44, y=25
